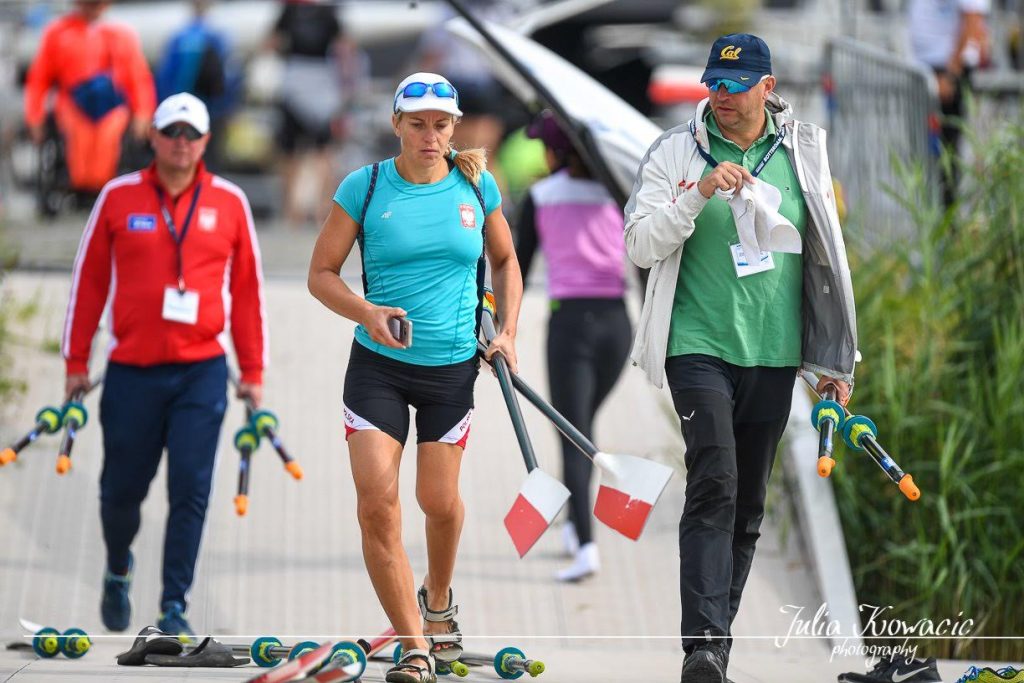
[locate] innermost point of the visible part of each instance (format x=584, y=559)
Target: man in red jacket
x=174, y=248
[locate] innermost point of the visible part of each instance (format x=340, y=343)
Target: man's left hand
x=842, y=389
x=253, y=392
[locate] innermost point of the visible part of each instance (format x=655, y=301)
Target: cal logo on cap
x=731, y=52
x=141, y=222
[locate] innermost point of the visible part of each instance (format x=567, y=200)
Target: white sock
x=587, y=562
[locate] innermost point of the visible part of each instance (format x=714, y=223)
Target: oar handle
x=266, y=424
x=870, y=444
x=246, y=441
x=75, y=417
x=10, y=454
x=242, y=499
x=505, y=382
x=826, y=434
x=290, y=463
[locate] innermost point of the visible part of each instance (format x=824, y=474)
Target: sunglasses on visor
x=731, y=86
x=417, y=89
x=176, y=131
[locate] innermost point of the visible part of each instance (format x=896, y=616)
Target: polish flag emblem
x=207, y=219
x=629, y=488
x=468, y=215
x=540, y=499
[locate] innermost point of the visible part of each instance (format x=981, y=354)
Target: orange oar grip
x=294, y=468
x=909, y=488
x=241, y=505
x=7, y=455
x=63, y=463
x=825, y=465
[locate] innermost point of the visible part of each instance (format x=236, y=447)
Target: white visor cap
x=428, y=101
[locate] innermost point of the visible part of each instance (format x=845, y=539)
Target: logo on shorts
x=468, y=215
x=141, y=222
x=207, y=218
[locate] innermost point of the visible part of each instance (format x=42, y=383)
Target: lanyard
x=171, y=228
x=780, y=134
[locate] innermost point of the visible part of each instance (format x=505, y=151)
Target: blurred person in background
x=951, y=37
x=578, y=226
x=320, y=65
x=196, y=61
x=104, y=86
x=481, y=97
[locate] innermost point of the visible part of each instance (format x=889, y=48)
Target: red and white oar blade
x=629, y=488
x=540, y=499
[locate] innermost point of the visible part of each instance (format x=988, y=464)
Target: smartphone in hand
x=401, y=330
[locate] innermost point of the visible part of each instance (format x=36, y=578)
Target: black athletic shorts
x=379, y=391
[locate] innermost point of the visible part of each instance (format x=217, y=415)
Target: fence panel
x=881, y=109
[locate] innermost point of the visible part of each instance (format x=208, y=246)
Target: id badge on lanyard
x=739, y=259
x=181, y=305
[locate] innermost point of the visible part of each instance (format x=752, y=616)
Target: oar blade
x=629, y=489
x=539, y=501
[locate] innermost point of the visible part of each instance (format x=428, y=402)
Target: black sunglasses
x=172, y=131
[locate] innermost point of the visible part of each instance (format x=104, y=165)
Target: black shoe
x=899, y=670
x=116, y=606
x=705, y=664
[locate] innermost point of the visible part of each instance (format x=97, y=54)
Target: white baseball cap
x=184, y=108
x=429, y=100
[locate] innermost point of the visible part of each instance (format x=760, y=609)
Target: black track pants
x=732, y=420
x=588, y=342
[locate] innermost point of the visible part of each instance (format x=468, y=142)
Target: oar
x=630, y=486
x=860, y=434
x=73, y=417
x=266, y=424
x=541, y=497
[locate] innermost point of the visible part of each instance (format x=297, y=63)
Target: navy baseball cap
x=742, y=57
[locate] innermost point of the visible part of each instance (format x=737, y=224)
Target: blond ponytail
x=470, y=162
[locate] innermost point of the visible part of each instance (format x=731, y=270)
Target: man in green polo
x=728, y=325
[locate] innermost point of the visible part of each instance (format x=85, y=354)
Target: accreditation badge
x=181, y=307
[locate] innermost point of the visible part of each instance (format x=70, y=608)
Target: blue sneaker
x=116, y=606
x=173, y=622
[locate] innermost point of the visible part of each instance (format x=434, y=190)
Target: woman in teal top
x=425, y=220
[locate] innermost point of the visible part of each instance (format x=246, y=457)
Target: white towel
x=760, y=226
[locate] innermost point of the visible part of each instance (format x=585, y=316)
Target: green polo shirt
x=749, y=321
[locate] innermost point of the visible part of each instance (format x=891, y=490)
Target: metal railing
x=883, y=115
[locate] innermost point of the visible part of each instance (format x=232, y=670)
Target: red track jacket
x=127, y=252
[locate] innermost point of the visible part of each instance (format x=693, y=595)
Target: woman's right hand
x=375, y=322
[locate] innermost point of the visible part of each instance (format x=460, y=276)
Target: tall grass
x=941, y=323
